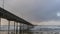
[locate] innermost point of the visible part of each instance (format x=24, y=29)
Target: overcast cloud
x=33, y=10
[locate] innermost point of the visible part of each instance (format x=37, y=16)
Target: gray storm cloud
x=34, y=10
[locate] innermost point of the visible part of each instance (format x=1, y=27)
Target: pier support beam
x=0, y=25
x=8, y=27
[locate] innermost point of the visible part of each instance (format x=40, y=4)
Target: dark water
x=37, y=30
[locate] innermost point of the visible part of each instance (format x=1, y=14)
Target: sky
x=34, y=11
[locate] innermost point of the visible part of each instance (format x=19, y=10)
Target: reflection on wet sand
x=40, y=32
x=30, y=32
x=26, y=32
